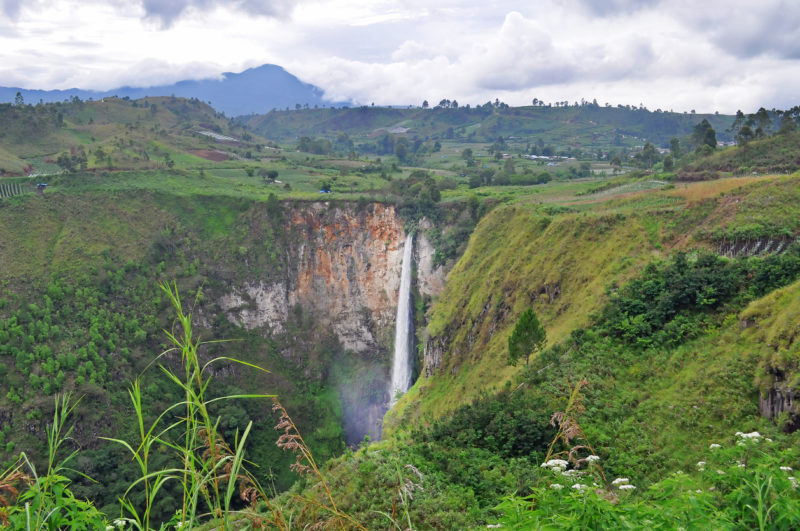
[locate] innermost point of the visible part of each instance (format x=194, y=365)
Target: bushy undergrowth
x=90, y=331
x=508, y=424
x=775, y=154
x=747, y=482
x=675, y=301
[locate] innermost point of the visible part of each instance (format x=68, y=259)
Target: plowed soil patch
x=216, y=156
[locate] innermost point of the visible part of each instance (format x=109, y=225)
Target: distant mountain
x=254, y=91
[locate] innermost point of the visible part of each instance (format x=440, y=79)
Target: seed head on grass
x=304, y=463
x=9, y=491
x=291, y=440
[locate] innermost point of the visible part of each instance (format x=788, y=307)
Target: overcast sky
x=708, y=55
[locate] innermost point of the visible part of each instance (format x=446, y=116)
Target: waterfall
x=401, y=365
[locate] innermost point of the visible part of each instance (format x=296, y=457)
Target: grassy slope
x=515, y=256
x=587, y=126
x=134, y=134
x=59, y=232
x=517, y=252
x=773, y=324
x=85, y=238
x=777, y=153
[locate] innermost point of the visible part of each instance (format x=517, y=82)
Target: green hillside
x=587, y=126
x=82, y=313
x=667, y=287
x=672, y=350
x=117, y=134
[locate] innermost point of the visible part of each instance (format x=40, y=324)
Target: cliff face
x=344, y=267
x=780, y=401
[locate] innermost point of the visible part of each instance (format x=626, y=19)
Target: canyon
x=345, y=269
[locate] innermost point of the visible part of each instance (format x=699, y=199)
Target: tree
x=648, y=156
x=401, y=150
x=762, y=121
x=675, y=147
x=744, y=135
x=668, y=163
x=704, y=134
x=65, y=162
x=616, y=164
x=527, y=338
x=425, y=104
x=19, y=100
x=710, y=138
x=738, y=122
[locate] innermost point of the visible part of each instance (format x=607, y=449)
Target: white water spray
x=401, y=365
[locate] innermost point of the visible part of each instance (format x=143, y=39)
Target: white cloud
x=679, y=54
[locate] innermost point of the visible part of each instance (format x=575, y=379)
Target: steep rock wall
x=344, y=266
x=430, y=278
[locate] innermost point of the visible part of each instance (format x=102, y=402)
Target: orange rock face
x=346, y=269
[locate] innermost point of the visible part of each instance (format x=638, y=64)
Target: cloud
x=606, y=8
x=167, y=12
x=680, y=54
x=11, y=8
x=742, y=28
x=651, y=56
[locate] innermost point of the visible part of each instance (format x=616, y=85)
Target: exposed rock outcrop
x=781, y=400
x=342, y=264
x=345, y=268
x=430, y=278
x=756, y=247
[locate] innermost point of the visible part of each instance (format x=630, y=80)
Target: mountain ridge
x=252, y=91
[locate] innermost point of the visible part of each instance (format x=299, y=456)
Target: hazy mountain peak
x=255, y=90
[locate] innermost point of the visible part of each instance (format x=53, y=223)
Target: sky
x=708, y=55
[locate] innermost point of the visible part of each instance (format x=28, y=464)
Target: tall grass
x=210, y=468
x=47, y=503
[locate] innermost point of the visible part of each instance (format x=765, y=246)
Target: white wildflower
x=579, y=486
x=786, y=468
x=592, y=458
x=714, y=446
x=698, y=491
x=720, y=472
x=573, y=473
x=109, y=528
x=794, y=481
x=556, y=486
x=740, y=464
x=752, y=436
x=119, y=522
x=767, y=439
x=626, y=487
x=620, y=481
x=701, y=465
x=494, y=526
x=556, y=465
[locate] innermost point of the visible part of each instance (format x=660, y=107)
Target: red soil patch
x=216, y=156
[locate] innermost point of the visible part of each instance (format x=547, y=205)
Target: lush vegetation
x=669, y=308
x=89, y=323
